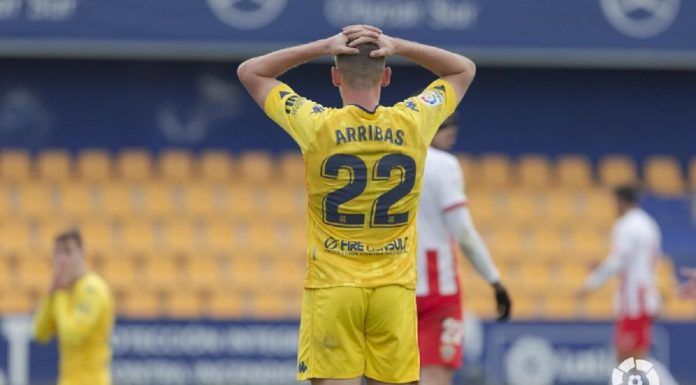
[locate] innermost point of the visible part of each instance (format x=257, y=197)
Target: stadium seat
x=598, y=208
x=248, y=273
x=534, y=276
x=617, y=169
x=94, y=166
x=293, y=168
x=269, y=305
x=98, y=237
x=534, y=171
x=522, y=208
x=15, y=166
x=225, y=305
x=18, y=301
x=134, y=165
x=184, y=303
x=549, y=244
x=175, y=165
x=221, y=236
x=159, y=200
x=561, y=209
x=288, y=274
x=181, y=237
x=256, y=167
x=469, y=167
x=203, y=272
x=163, y=273
x=588, y=245
x=215, y=166
x=37, y=201
x=663, y=175
x=54, y=166
x=143, y=303
x=77, y=201
x=559, y=307
x=574, y=171
x=34, y=273
x=121, y=272
x=508, y=244
x=116, y=201
x=680, y=309
x=598, y=307
x=526, y=307
x=16, y=238
x=285, y=205
x=204, y=201
x=7, y=205
x=485, y=207
x=495, y=170
x=244, y=203
x=138, y=237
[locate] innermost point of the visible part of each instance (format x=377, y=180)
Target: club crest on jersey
x=432, y=98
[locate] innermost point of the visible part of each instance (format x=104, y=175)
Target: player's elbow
x=244, y=72
x=468, y=71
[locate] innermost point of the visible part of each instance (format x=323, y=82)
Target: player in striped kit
x=444, y=220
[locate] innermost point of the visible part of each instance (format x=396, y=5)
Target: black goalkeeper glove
x=503, y=302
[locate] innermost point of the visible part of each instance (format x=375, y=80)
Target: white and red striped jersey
x=443, y=190
x=635, y=250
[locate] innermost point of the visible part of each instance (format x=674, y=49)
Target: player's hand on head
x=338, y=45
x=503, y=302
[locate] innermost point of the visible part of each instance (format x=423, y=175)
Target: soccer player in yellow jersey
x=364, y=166
x=79, y=311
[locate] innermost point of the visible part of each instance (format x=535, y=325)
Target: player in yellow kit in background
x=79, y=311
x=364, y=166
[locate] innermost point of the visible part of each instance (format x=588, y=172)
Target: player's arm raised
x=259, y=74
x=458, y=70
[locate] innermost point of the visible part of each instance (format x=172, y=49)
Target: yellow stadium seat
x=469, y=166
x=121, y=272
x=184, y=304
x=549, y=244
x=617, y=169
x=203, y=272
x=16, y=238
x=485, y=207
x=522, y=208
x=273, y=305
x=94, y=165
x=202, y=200
x=256, y=167
x=599, y=208
x=282, y=205
x=262, y=238
x=663, y=175
x=244, y=203
x=159, y=200
x=508, y=244
x=574, y=171
x=588, y=245
x=293, y=168
x=598, y=307
x=138, y=237
x=224, y=304
x=98, y=237
x=527, y=308
x=221, y=236
x=143, y=303
x=561, y=208
x=495, y=170
x=570, y=276
x=45, y=232
x=77, y=201
x=34, y=273
x=15, y=166
x=54, y=166
x=677, y=309
x=17, y=302
x=535, y=276
x=37, y=200
x=181, y=237
x=163, y=272
x=248, y=273
x=561, y=307
x=116, y=201
x=6, y=200
x=134, y=165
x=288, y=274
x=534, y=171
x=176, y=165
x=215, y=166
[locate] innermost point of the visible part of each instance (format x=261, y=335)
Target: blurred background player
x=635, y=251
x=79, y=311
x=364, y=165
x=444, y=219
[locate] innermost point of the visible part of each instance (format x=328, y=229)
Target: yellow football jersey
x=82, y=319
x=363, y=171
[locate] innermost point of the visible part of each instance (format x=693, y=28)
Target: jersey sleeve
x=76, y=319
x=298, y=116
x=451, y=186
x=431, y=107
x=44, y=325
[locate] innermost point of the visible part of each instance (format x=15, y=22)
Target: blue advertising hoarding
x=652, y=32
x=170, y=352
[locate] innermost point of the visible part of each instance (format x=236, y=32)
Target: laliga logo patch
x=432, y=98
x=247, y=14
x=641, y=19
x=635, y=372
